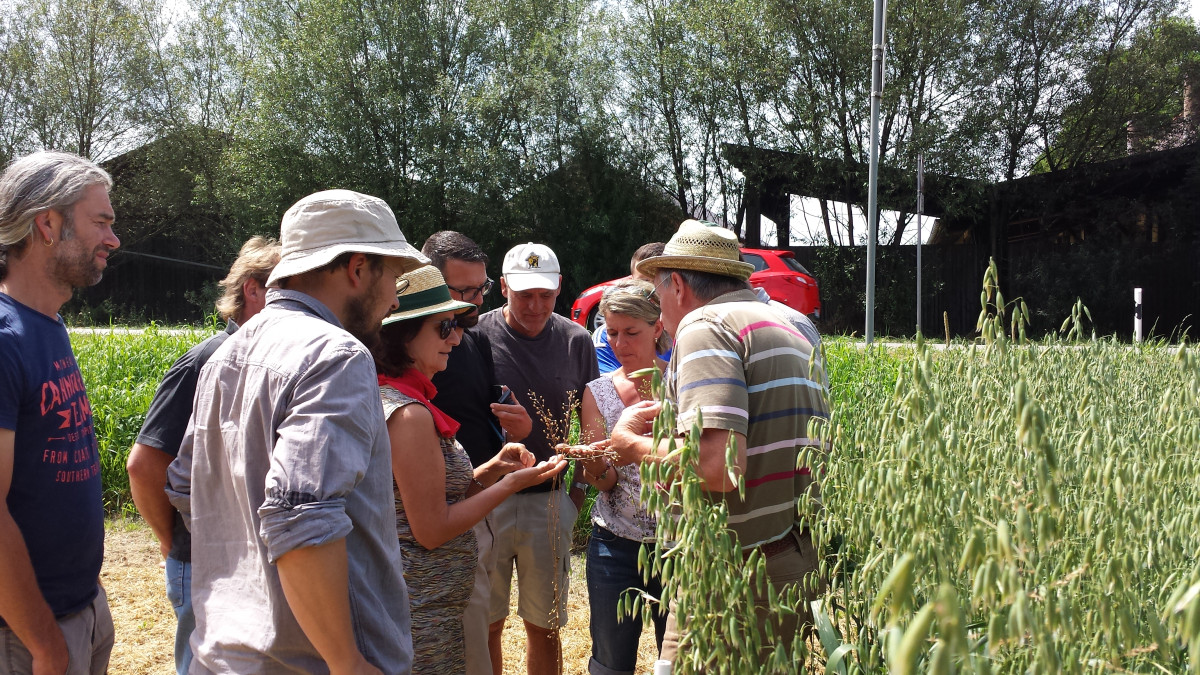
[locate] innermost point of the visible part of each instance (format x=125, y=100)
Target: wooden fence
x=1049, y=277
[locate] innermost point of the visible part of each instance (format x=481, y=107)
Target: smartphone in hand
x=502, y=394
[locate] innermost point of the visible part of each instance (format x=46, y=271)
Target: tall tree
x=11, y=125
x=78, y=89
x=655, y=39
x=1140, y=96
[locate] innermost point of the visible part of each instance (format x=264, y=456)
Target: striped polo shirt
x=745, y=369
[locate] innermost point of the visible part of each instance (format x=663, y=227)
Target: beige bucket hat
x=701, y=247
x=324, y=225
x=424, y=292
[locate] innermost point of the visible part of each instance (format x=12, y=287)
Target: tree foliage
x=463, y=113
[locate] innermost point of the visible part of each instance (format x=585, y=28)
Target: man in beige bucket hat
x=285, y=471
x=743, y=369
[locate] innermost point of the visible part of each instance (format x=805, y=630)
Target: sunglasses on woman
x=446, y=326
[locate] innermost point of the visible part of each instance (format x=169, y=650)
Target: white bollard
x=1137, y=315
x=662, y=667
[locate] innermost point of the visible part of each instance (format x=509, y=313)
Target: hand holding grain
x=536, y=474
x=629, y=440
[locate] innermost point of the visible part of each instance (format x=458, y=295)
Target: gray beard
x=75, y=267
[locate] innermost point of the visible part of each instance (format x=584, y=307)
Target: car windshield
x=794, y=265
x=756, y=260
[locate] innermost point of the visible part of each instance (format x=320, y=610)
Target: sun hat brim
x=455, y=306
x=726, y=268
x=525, y=281
x=299, y=262
x=433, y=299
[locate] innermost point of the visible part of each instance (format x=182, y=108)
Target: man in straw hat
x=285, y=473
x=743, y=370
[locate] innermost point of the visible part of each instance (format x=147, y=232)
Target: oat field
x=992, y=508
x=1013, y=508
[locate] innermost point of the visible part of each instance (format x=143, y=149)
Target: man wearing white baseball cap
x=284, y=474
x=546, y=360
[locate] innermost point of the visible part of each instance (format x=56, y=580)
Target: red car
x=776, y=272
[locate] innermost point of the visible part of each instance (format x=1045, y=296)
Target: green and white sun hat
x=424, y=292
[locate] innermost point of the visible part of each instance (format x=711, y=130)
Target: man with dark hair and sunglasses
x=469, y=393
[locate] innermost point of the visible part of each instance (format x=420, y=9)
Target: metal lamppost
x=878, y=37
x=920, y=212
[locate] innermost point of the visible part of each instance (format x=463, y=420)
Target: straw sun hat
x=424, y=292
x=700, y=247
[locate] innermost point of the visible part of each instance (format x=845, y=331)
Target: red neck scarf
x=414, y=384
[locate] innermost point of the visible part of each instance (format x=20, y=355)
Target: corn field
x=122, y=371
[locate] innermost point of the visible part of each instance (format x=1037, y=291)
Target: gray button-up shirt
x=287, y=447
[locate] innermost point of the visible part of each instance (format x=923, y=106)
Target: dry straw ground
x=146, y=625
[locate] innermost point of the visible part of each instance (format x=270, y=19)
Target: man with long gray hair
x=55, y=236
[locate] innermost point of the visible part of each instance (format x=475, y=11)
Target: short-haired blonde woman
x=439, y=495
x=620, y=524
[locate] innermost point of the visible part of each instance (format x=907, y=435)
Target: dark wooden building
x=1094, y=232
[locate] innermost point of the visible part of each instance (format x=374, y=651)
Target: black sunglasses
x=445, y=326
x=471, y=292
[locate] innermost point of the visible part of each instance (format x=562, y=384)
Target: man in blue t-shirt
x=157, y=444
x=55, y=236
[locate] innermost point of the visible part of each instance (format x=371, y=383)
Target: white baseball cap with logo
x=530, y=266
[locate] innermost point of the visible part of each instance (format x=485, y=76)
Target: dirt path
x=145, y=622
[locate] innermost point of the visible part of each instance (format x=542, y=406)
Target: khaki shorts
x=89, y=636
x=533, y=532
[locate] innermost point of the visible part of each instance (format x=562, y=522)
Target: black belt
x=787, y=543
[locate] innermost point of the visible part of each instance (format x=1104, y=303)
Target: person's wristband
x=581, y=486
